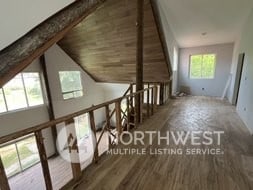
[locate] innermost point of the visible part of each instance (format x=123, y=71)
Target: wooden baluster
x=73, y=146
x=108, y=123
x=128, y=114
x=165, y=93
x=93, y=128
x=135, y=111
x=155, y=97
x=168, y=90
x=161, y=94
x=43, y=159
x=131, y=97
x=141, y=107
x=152, y=101
x=118, y=117
x=148, y=103
x=3, y=178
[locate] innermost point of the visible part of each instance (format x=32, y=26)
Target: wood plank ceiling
x=104, y=44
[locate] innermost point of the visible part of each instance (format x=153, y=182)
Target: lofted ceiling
x=104, y=44
x=205, y=22
x=19, y=17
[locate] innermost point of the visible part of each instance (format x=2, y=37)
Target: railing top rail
x=48, y=124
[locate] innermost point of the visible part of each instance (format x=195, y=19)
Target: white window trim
x=26, y=97
x=81, y=81
x=201, y=78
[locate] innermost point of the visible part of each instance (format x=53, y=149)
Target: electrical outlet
x=203, y=89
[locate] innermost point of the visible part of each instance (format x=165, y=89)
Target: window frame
x=41, y=89
x=203, y=78
x=78, y=126
x=15, y=143
x=8, y=111
x=72, y=91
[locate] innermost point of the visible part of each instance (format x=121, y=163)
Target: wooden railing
x=124, y=112
x=164, y=90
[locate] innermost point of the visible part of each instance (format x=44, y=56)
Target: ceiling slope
x=206, y=22
x=104, y=44
x=17, y=56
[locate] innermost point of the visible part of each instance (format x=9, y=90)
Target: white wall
x=57, y=60
x=18, y=120
x=212, y=87
x=21, y=119
x=112, y=90
x=245, y=99
x=171, y=43
x=19, y=17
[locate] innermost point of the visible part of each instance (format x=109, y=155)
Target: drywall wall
x=18, y=120
x=57, y=60
x=206, y=87
x=171, y=44
x=112, y=90
x=12, y=122
x=17, y=19
x=245, y=98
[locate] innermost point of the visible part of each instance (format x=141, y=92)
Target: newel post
x=118, y=116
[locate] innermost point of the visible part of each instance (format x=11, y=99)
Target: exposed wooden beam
x=43, y=159
x=73, y=146
x=161, y=98
x=50, y=107
x=139, y=53
x=17, y=56
x=155, y=97
x=139, y=56
x=93, y=128
x=3, y=178
x=161, y=34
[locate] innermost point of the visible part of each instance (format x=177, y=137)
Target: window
x=82, y=126
x=71, y=85
x=202, y=66
x=33, y=88
x=15, y=94
x=2, y=102
x=20, y=155
x=23, y=91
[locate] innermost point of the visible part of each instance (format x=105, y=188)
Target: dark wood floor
x=232, y=170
